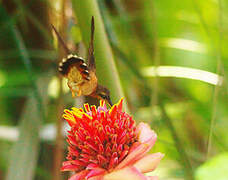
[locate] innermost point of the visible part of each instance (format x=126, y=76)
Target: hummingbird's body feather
x=82, y=79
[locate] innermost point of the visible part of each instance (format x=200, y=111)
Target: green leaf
x=24, y=154
x=215, y=168
x=76, y=34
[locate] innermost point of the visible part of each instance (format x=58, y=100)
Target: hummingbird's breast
x=89, y=86
x=77, y=83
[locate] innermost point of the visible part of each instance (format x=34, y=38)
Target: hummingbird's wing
x=61, y=40
x=77, y=64
x=91, y=58
x=74, y=67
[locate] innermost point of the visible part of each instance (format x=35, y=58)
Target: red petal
x=74, y=162
x=146, y=135
x=91, y=145
x=87, y=108
x=101, y=177
x=129, y=173
x=72, y=140
x=149, y=162
x=120, y=105
x=94, y=111
x=101, y=149
x=113, y=161
x=101, y=159
x=96, y=172
x=92, y=166
x=79, y=176
x=112, y=111
x=68, y=166
x=122, y=155
x=152, y=178
x=73, y=151
x=132, y=157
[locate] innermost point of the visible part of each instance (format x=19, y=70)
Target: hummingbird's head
x=103, y=93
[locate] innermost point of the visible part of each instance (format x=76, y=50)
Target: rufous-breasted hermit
x=81, y=76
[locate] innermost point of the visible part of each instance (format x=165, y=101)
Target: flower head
x=107, y=144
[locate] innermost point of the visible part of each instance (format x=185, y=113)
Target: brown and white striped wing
x=74, y=66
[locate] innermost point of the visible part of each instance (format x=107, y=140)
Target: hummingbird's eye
x=103, y=96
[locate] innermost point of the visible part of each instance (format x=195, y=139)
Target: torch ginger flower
x=107, y=145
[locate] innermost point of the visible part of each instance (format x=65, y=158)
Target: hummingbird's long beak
x=109, y=101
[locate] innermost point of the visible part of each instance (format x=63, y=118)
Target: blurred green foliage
x=215, y=167
x=185, y=113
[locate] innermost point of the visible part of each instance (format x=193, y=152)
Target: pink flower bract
x=107, y=145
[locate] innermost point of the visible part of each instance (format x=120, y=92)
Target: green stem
x=180, y=147
x=106, y=68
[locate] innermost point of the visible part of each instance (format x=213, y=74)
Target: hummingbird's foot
x=79, y=92
x=73, y=94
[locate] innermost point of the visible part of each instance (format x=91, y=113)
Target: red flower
x=107, y=144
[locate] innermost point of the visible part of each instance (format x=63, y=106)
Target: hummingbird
x=81, y=76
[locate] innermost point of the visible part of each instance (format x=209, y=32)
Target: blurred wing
x=91, y=58
x=60, y=39
x=74, y=61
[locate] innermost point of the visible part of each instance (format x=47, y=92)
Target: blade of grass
x=114, y=42
x=179, y=146
x=24, y=153
x=106, y=68
x=219, y=69
x=107, y=21
x=126, y=21
x=216, y=49
x=130, y=59
x=153, y=39
x=216, y=89
x=59, y=143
